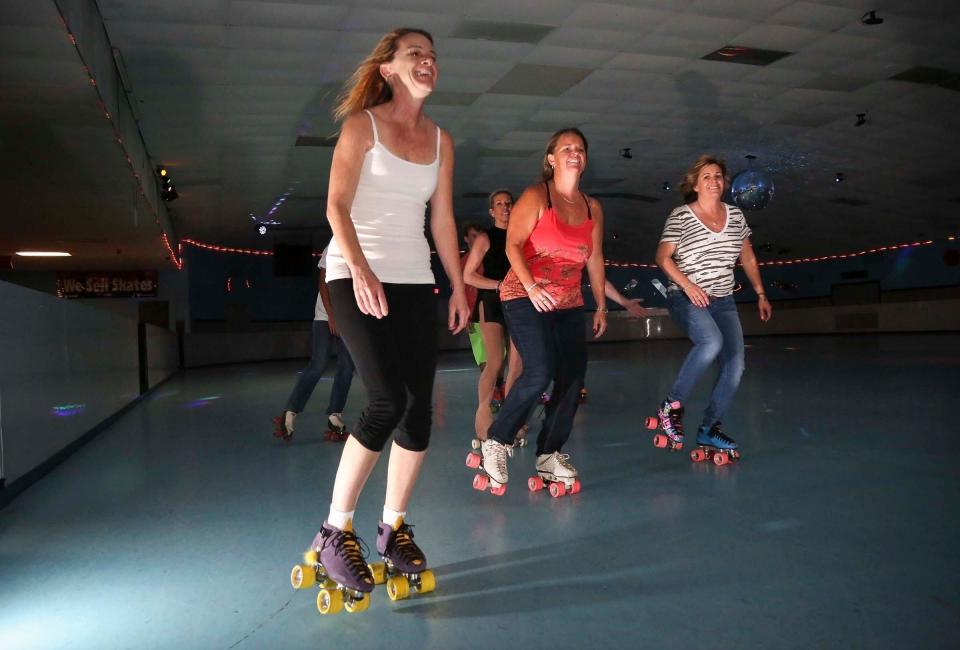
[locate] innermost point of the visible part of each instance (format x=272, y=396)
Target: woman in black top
x=486, y=266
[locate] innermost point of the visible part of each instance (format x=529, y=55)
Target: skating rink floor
x=840, y=527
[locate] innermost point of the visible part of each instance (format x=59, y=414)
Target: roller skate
x=556, y=474
x=283, y=425
x=336, y=429
x=714, y=445
x=670, y=419
x=521, y=439
x=336, y=564
x=492, y=460
x=497, y=400
x=404, y=565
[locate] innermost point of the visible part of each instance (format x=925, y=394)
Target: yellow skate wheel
x=329, y=601
x=303, y=576
x=427, y=582
x=398, y=588
x=355, y=606
x=310, y=557
x=379, y=571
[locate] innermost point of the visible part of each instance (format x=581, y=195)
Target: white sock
x=288, y=419
x=335, y=419
x=393, y=518
x=341, y=520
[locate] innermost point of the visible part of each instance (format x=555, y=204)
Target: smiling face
x=710, y=182
x=414, y=66
x=569, y=154
x=500, y=206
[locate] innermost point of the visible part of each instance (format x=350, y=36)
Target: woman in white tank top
x=390, y=160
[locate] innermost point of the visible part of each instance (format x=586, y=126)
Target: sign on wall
x=107, y=284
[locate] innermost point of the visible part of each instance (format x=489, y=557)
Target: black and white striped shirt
x=707, y=258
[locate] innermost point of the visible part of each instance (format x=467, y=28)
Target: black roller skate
x=670, y=419
x=336, y=429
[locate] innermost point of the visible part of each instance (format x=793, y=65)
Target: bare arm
x=749, y=260
x=444, y=231
x=632, y=305
x=471, y=273
x=356, y=138
x=523, y=219
x=596, y=271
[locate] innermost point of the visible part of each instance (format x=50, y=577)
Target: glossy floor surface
x=839, y=528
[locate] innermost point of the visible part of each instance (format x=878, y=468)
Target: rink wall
x=66, y=371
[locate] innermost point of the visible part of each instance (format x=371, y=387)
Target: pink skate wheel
x=480, y=482
x=720, y=458
x=535, y=483
x=499, y=491
x=576, y=487
x=698, y=455
x=652, y=423
x=557, y=490
x=473, y=460
x=660, y=441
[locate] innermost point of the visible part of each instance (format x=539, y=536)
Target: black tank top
x=495, y=262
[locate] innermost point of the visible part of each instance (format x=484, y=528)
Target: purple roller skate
x=404, y=565
x=336, y=563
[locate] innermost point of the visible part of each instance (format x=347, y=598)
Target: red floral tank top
x=555, y=254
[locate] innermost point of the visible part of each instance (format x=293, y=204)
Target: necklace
x=566, y=199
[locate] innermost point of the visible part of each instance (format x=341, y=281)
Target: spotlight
x=626, y=153
x=839, y=178
x=861, y=119
x=262, y=229
x=870, y=18
x=667, y=186
x=167, y=191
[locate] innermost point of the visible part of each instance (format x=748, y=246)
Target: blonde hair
x=690, y=177
x=546, y=171
x=366, y=87
x=494, y=194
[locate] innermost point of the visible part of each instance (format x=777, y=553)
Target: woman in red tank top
x=555, y=232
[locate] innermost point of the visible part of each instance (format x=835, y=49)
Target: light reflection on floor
x=177, y=527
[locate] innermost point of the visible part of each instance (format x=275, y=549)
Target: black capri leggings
x=396, y=358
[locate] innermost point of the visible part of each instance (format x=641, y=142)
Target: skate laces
x=352, y=549
x=676, y=419
x=562, y=460
x=716, y=432
x=403, y=544
x=500, y=452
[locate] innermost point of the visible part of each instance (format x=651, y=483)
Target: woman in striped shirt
x=700, y=245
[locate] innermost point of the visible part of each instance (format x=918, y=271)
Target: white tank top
x=388, y=213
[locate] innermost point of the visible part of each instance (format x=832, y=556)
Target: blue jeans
x=553, y=348
x=716, y=334
x=323, y=344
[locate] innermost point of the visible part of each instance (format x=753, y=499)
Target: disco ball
x=751, y=190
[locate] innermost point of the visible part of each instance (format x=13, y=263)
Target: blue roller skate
x=714, y=444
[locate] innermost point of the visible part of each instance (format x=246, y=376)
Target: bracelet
x=530, y=288
x=602, y=310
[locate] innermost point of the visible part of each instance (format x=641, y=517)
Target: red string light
x=629, y=265
x=177, y=261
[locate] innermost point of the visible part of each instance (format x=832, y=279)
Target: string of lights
x=625, y=265
x=177, y=261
